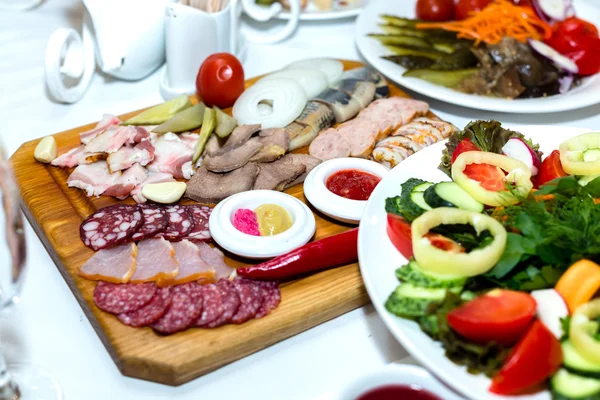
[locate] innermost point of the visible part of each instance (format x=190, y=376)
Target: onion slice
x=312, y=80
x=558, y=59
x=272, y=103
x=330, y=67
x=554, y=9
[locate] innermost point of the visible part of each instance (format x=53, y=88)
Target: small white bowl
x=329, y=203
x=230, y=238
x=396, y=374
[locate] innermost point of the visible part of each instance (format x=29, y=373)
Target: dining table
x=47, y=327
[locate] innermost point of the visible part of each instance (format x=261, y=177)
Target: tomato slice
x=489, y=177
x=464, y=146
x=499, y=316
x=443, y=243
x=399, y=232
x=534, y=359
x=550, y=169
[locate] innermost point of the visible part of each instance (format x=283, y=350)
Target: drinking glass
x=20, y=381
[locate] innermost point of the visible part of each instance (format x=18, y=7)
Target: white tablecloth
x=48, y=327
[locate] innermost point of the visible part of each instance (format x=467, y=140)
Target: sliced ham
x=192, y=267
x=94, y=178
x=128, y=181
x=216, y=259
x=358, y=137
x=116, y=137
x=155, y=261
x=77, y=156
x=173, y=155
x=126, y=156
x=106, y=122
x=153, y=177
x=116, y=264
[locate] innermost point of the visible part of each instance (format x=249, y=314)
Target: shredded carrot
x=499, y=19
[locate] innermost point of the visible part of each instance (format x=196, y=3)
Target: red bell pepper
x=578, y=40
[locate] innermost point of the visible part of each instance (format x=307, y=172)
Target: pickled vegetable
x=272, y=219
x=414, y=51
x=160, y=113
x=411, y=62
x=449, y=79
x=208, y=126
x=187, y=120
x=402, y=40
x=225, y=123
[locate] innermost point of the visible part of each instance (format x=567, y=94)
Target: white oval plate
x=588, y=93
x=312, y=13
x=378, y=259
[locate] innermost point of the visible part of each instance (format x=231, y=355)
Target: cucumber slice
x=413, y=274
x=577, y=364
x=417, y=195
x=591, y=155
x=187, y=120
x=160, y=113
x=568, y=386
x=585, y=179
x=225, y=123
x=449, y=194
x=208, y=126
x=411, y=301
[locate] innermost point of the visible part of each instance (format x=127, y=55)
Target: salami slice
x=155, y=221
x=271, y=299
x=186, y=307
x=121, y=298
x=230, y=300
x=110, y=226
x=251, y=298
x=180, y=223
x=200, y=215
x=212, y=306
x=151, y=312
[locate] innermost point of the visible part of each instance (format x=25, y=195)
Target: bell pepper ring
x=580, y=332
x=518, y=174
x=433, y=259
x=581, y=155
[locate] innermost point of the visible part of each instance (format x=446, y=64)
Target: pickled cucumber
x=187, y=120
x=449, y=79
x=160, y=113
x=208, y=126
x=225, y=123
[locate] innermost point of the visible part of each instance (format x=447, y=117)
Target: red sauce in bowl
x=352, y=184
x=396, y=392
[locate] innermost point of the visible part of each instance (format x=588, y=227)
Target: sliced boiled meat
x=230, y=300
x=153, y=177
x=110, y=226
x=151, y=311
x=186, y=308
x=216, y=259
x=123, y=298
x=155, y=221
x=251, y=299
x=271, y=297
x=116, y=264
x=200, y=215
x=94, y=178
x=191, y=266
x=106, y=122
x=180, y=223
x=155, y=261
x=212, y=305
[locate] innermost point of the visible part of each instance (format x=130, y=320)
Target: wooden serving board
x=55, y=211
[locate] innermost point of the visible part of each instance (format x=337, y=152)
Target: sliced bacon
x=106, y=122
x=155, y=261
x=77, y=156
x=126, y=156
x=116, y=137
x=173, y=155
x=216, y=259
x=115, y=265
x=192, y=267
x=153, y=177
x=94, y=178
x=127, y=182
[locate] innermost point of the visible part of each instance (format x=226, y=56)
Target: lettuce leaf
x=487, y=135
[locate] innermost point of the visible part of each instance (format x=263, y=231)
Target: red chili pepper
x=314, y=256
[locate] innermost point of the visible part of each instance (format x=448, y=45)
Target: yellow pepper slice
x=518, y=174
x=435, y=260
x=581, y=155
x=581, y=331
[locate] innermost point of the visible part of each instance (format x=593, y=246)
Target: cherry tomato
x=500, y=316
x=550, y=169
x=399, y=232
x=578, y=40
x=576, y=26
x=462, y=8
x=435, y=10
x=464, y=146
x=533, y=360
x=489, y=177
x=220, y=80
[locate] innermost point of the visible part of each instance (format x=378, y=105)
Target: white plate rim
x=583, y=96
x=322, y=15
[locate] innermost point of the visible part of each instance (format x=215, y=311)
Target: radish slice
x=330, y=67
x=558, y=59
x=519, y=150
x=273, y=103
x=554, y=9
x=550, y=309
x=312, y=80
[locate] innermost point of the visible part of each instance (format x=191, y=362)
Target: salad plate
x=378, y=259
x=372, y=50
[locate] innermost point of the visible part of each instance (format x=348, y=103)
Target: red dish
x=352, y=184
x=394, y=392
